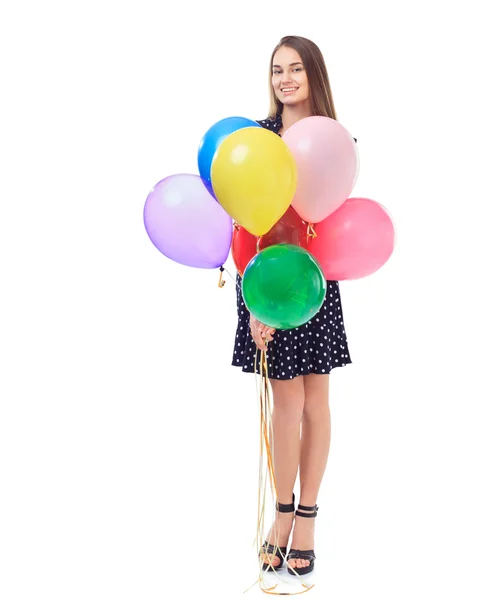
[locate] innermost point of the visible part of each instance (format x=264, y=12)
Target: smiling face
x=289, y=80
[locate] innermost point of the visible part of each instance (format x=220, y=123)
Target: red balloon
x=354, y=241
x=243, y=247
x=290, y=229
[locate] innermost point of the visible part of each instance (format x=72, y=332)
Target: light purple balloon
x=186, y=224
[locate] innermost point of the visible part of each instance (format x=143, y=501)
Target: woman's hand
x=260, y=333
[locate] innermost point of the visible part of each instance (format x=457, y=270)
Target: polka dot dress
x=318, y=346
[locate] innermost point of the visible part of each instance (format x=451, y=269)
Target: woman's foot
x=278, y=534
x=303, y=538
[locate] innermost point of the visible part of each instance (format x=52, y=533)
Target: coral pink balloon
x=354, y=241
x=327, y=166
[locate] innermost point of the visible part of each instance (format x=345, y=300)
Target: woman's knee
x=288, y=397
x=316, y=394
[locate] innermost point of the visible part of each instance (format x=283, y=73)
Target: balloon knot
x=222, y=282
x=311, y=233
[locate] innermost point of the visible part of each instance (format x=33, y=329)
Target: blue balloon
x=213, y=139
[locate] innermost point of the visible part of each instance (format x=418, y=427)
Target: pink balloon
x=327, y=166
x=354, y=241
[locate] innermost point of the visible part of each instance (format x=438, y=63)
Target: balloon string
x=310, y=232
x=222, y=283
x=266, y=470
x=228, y=272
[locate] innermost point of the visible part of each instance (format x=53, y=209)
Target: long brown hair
x=312, y=58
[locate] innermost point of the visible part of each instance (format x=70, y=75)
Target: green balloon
x=283, y=286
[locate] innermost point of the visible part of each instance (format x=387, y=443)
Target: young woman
x=300, y=359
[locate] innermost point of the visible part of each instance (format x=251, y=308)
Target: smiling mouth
x=288, y=90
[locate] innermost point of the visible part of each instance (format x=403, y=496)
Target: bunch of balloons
x=281, y=205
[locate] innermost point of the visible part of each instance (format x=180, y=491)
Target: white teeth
x=288, y=89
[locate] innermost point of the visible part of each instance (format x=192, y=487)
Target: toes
x=299, y=563
x=271, y=559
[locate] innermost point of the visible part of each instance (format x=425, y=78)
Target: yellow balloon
x=253, y=176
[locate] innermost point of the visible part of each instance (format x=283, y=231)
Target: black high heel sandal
x=303, y=554
x=269, y=548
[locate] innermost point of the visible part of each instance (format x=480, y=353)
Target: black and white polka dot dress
x=318, y=346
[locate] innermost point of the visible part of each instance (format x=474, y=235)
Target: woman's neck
x=292, y=114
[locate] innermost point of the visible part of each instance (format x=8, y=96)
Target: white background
x=129, y=445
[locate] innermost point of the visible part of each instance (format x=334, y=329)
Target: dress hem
x=305, y=372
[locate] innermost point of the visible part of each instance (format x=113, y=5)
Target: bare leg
x=315, y=446
x=288, y=401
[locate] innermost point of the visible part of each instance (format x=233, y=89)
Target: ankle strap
x=308, y=507
x=307, y=514
x=285, y=508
